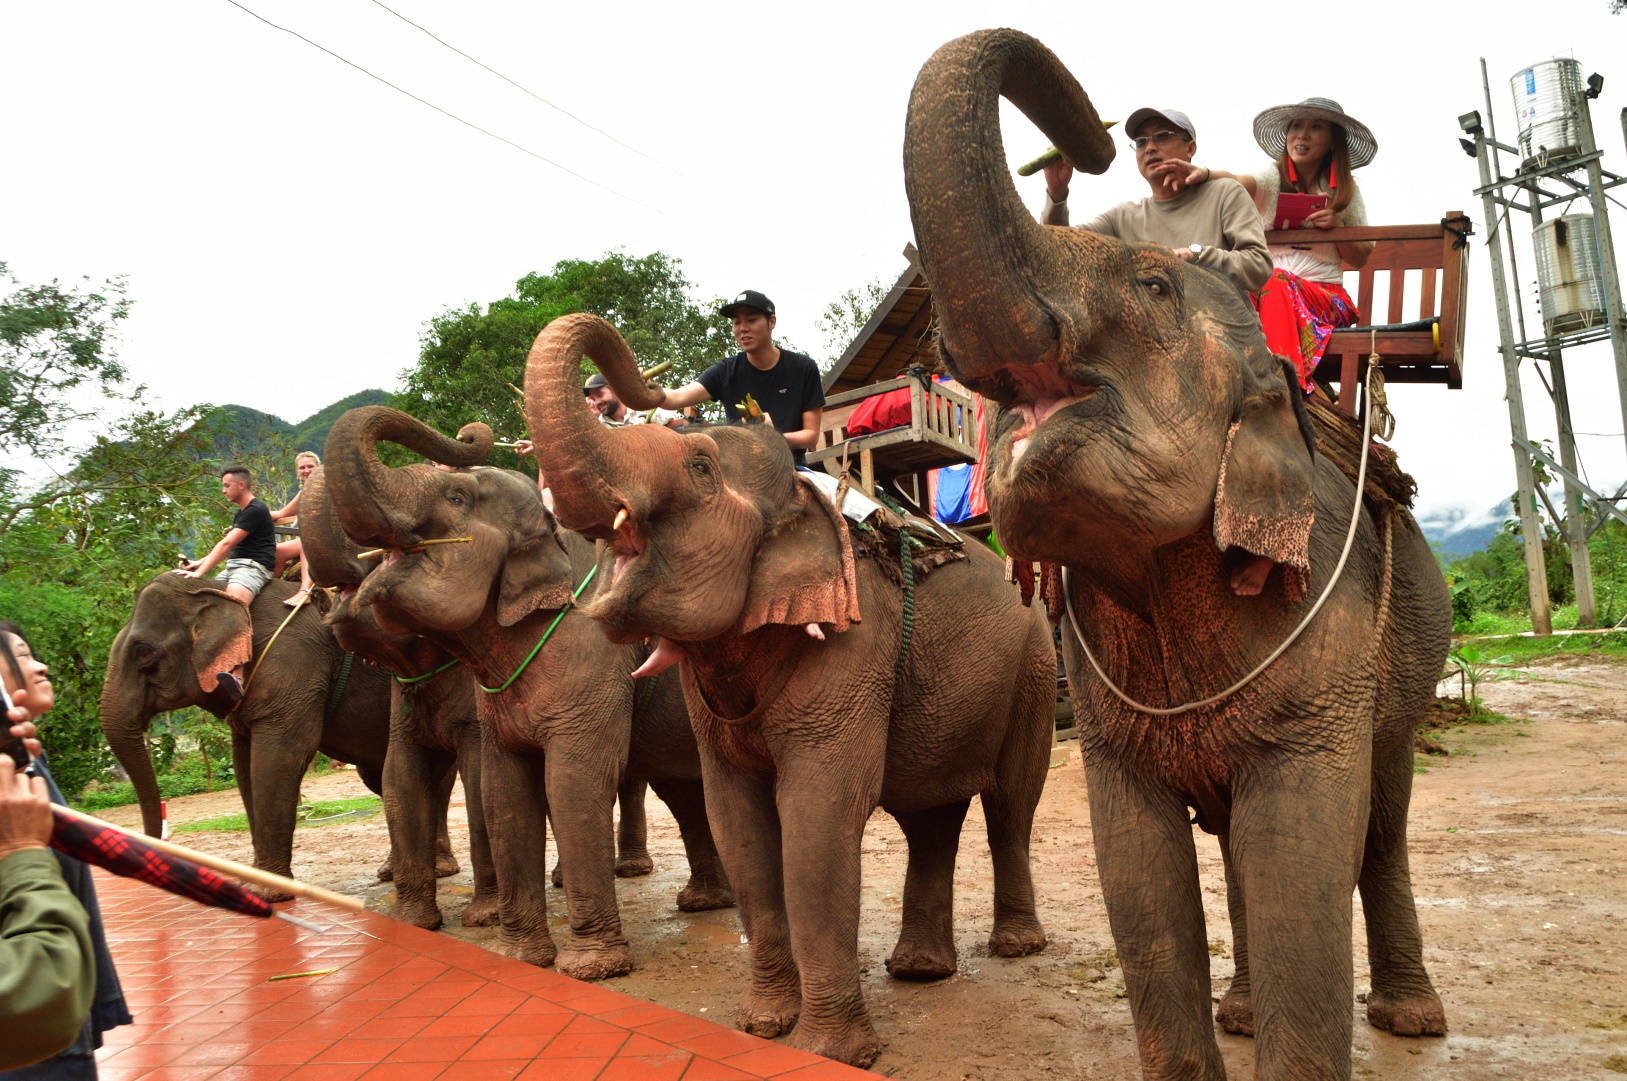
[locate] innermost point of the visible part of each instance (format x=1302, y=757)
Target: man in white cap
x=1214, y=225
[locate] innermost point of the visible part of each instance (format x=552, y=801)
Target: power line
x=459, y=119
x=539, y=97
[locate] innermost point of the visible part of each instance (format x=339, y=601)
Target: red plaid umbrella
x=122, y=853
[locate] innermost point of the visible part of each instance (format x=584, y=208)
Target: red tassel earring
x=1293, y=177
x=1333, y=176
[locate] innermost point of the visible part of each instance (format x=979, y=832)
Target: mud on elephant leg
x=412, y=777
x=632, y=851
x=483, y=908
x=1236, y=1010
x=1402, y=999
x=1149, y=872
x=514, y=801
x=279, y=761
x=1017, y=931
x=708, y=885
x=446, y=862
x=581, y=795
x=926, y=944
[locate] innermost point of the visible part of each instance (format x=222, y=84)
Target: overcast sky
x=288, y=224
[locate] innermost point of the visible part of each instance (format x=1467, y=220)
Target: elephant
x=477, y=565
x=1141, y=435
x=181, y=632
x=434, y=727
x=808, y=716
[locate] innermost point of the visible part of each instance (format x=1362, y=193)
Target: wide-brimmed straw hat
x=1271, y=128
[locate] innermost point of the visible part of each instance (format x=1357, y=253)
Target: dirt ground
x=1519, y=843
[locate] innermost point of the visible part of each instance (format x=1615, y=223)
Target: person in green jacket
x=47, y=962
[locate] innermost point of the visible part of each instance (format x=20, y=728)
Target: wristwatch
x=1195, y=249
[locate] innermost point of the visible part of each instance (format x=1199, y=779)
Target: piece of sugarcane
x=1051, y=156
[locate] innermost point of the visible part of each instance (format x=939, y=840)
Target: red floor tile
x=564, y=1069
x=585, y=1044
x=241, y=1072
x=705, y=1069
x=665, y=1067
x=720, y=1043
x=493, y=1048
x=825, y=1070
x=772, y=1059
x=328, y=1071
x=182, y=1073
x=484, y=1070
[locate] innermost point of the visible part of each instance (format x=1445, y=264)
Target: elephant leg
x=822, y=823
x=747, y=829
x=243, y=770
x=557, y=878
x=632, y=853
x=926, y=944
x=1149, y=872
x=1402, y=999
x=1297, y=829
x=708, y=885
x=446, y=861
x=483, y=909
x=280, y=759
x=412, y=776
x=1236, y=1010
x=514, y=801
x=582, y=792
x=1017, y=931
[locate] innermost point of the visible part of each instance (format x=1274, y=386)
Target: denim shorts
x=251, y=574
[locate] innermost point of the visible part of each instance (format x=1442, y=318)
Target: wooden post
x=867, y=472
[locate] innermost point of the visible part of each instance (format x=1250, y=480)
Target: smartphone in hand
x=13, y=745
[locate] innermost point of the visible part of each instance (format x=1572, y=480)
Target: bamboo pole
x=225, y=866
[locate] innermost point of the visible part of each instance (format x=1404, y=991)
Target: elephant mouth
x=1043, y=392
x=626, y=544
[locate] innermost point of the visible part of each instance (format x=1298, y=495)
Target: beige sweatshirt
x=1219, y=215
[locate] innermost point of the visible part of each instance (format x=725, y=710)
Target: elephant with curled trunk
x=807, y=716
x=434, y=729
x=1141, y=434
x=477, y=565
x=180, y=633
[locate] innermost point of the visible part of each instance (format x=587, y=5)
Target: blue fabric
x=78, y=1062
x=954, y=502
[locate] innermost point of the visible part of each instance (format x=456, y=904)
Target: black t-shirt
x=261, y=543
x=786, y=391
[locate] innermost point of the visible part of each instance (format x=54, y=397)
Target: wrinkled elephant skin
x=1141, y=434
x=728, y=556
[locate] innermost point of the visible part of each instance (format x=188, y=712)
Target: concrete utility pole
x=1607, y=251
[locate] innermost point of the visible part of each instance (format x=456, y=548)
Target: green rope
x=547, y=634
x=339, y=686
x=427, y=675
x=642, y=701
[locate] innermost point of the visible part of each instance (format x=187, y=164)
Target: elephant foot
x=857, y=1045
x=446, y=866
x=386, y=872
x=268, y=893
x=703, y=897
x=1014, y=940
x=583, y=959
x=482, y=912
x=921, y=960
x=418, y=913
x=536, y=950
x=1235, y=1013
x=768, y=1016
x=558, y=877
x=634, y=865
x=1415, y=1013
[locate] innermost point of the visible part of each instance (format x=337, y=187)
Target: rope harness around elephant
x=547, y=634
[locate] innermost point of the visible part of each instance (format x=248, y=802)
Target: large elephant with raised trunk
x=809, y=707
x=1141, y=435
x=477, y=565
x=181, y=632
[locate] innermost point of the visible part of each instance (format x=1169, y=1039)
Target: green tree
x=845, y=316
x=469, y=356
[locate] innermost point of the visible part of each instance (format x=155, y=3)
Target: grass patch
x=1524, y=651
x=325, y=809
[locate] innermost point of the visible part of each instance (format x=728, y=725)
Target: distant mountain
x=1461, y=533
x=244, y=427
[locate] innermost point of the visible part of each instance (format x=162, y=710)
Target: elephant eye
x=1156, y=287
x=455, y=498
x=144, y=655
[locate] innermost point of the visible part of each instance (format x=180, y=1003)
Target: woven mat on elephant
x=878, y=539
x=1339, y=438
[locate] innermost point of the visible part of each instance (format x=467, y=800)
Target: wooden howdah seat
x=941, y=431
x=1427, y=348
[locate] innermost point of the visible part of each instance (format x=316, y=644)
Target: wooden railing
x=942, y=431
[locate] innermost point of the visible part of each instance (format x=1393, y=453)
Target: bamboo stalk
x=229, y=867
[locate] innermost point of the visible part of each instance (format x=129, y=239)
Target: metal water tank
x=1568, y=274
x=1545, y=110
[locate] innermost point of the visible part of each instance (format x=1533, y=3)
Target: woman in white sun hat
x=1314, y=145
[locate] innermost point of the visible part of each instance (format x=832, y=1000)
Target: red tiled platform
x=405, y=1004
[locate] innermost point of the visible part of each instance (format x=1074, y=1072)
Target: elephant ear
x=804, y=572
x=536, y=574
x=1263, y=502
x=222, y=636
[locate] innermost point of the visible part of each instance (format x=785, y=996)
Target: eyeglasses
x=1157, y=138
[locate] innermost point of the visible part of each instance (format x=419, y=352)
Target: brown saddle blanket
x=1339, y=438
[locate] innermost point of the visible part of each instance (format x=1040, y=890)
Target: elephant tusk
x=621, y=518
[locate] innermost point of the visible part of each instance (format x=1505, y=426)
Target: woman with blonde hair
x=1315, y=146
x=305, y=463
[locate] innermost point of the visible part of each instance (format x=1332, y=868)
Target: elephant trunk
x=581, y=461
x=327, y=551
x=373, y=502
x=999, y=290
x=124, y=723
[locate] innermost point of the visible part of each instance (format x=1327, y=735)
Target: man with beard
x=613, y=412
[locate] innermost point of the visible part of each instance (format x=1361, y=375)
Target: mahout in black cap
x=751, y=298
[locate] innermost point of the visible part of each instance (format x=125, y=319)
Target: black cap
x=595, y=381
x=751, y=298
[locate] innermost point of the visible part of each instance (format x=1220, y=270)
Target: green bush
x=186, y=778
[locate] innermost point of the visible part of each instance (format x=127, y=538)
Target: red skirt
x=1299, y=316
